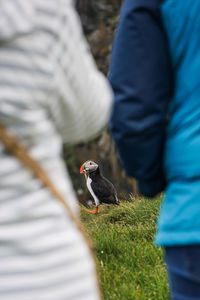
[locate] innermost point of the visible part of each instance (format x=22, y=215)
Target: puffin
x=101, y=189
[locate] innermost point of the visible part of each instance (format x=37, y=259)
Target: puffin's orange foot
x=94, y=211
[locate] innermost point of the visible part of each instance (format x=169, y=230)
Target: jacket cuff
x=151, y=188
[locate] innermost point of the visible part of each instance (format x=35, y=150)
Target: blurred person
x=154, y=73
x=50, y=92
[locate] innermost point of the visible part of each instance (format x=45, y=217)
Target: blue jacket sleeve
x=141, y=77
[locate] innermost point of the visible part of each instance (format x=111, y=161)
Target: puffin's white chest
x=96, y=200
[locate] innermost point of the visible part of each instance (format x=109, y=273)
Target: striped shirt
x=50, y=92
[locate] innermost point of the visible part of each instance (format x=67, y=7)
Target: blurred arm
x=140, y=75
x=85, y=96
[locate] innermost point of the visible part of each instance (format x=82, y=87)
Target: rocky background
x=99, y=19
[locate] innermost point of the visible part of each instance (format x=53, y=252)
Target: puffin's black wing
x=105, y=191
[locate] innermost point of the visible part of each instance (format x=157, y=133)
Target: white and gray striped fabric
x=50, y=91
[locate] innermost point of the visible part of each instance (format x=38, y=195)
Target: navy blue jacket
x=141, y=77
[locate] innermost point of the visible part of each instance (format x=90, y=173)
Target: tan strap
x=20, y=152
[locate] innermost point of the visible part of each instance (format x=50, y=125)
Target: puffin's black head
x=88, y=167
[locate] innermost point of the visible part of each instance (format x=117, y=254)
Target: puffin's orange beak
x=82, y=169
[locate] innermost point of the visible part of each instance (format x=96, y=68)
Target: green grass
x=129, y=265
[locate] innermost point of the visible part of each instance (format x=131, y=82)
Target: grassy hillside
x=130, y=266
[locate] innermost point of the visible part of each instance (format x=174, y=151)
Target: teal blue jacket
x=155, y=75
x=179, y=221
